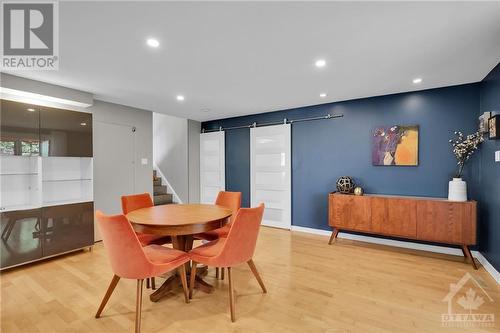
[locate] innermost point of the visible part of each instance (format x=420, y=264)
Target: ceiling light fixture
x=31, y=110
x=153, y=42
x=180, y=98
x=322, y=95
x=83, y=124
x=417, y=80
x=320, y=63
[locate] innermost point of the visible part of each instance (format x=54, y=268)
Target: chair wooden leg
x=111, y=287
x=256, y=274
x=217, y=272
x=153, y=286
x=182, y=273
x=147, y=283
x=222, y=273
x=138, y=306
x=192, y=279
x=231, y=294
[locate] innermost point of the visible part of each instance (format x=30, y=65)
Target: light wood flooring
x=312, y=287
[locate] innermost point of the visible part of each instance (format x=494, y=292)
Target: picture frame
x=483, y=122
x=494, y=127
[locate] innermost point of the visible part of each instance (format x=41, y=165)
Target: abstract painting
x=395, y=145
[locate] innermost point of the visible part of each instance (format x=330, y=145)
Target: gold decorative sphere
x=358, y=190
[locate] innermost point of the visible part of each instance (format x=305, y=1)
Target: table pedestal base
x=183, y=243
x=174, y=281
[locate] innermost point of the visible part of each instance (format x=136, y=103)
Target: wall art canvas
x=395, y=145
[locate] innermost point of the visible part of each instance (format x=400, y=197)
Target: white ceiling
x=238, y=58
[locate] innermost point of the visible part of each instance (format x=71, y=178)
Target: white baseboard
x=407, y=245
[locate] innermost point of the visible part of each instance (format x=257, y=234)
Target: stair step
x=159, y=189
x=154, y=174
x=163, y=199
x=157, y=182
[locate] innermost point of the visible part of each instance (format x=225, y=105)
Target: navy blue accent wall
x=324, y=150
x=489, y=230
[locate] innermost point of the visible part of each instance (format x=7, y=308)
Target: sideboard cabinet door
x=21, y=237
x=351, y=212
x=67, y=227
x=447, y=222
x=394, y=217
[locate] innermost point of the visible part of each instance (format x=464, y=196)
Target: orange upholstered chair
x=237, y=248
x=130, y=260
x=231, y=200
x=138, y=201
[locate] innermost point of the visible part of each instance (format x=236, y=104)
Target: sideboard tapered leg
x=335, y=232
x=467, y=253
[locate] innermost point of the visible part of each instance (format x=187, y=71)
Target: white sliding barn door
x=270, y=173
x=212, y=166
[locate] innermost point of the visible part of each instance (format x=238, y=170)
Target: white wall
x=175, y=144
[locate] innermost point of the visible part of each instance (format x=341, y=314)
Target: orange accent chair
x=138, y=201
x=231, y=200
x=236, y=249
x=130, y=260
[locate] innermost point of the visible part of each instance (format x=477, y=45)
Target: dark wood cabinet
x=65, y=133
x=67, y=227
x=426, y=219
x=21, y=238
x=46, y=195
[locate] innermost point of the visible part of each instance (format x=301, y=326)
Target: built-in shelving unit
x=66, y=180
x=20, y=182
x=46, y=202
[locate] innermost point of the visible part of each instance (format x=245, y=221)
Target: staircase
x=160, y=195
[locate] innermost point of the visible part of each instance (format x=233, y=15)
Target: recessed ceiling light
x=180, y=98
x=320, y=63
x=417, y=80
x=322, y=95
x=83, y=124
x=153, y=42
x=31, y=110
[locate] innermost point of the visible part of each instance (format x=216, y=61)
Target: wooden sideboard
x=416, y=218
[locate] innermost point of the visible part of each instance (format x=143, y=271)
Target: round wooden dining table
x=181, y=222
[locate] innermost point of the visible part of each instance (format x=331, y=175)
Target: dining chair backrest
x=231, y=200
x=125, y=253
x=242, y=238
x=136, y=201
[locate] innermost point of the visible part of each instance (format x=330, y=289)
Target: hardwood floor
x=311, y=287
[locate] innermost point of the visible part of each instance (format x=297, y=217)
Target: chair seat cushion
x=205, y=253
x=164, y=259
x=158, y=254
x=214, y=234
x=148, y=239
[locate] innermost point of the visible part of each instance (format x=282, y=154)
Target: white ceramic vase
x=457, y=190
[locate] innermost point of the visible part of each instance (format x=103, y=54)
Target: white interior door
x=270, y=173
x=212, y=166
x=113, y=167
